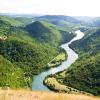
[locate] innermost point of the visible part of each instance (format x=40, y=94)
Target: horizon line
x=13, y=13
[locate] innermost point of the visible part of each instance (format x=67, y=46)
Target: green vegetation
x=63, y=22
x=84, y=73
x=66, y=36
x=89, y=44
x=32, y=57
x=24, y=55
x=12, y=21
x=58, y=59
x=24, y=20
x=56, y=86
x=11, y=75
x=48, y=33
x=44, y=32
x=27, y=50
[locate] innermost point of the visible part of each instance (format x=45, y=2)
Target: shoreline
x=72, y=56
x=51, y=82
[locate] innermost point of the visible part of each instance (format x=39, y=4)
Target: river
x=72, y=56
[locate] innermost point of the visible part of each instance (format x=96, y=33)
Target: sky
x=52, y=7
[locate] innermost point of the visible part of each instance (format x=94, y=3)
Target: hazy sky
x=61, y=7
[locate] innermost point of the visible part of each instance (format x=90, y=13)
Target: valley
x=47, y=53
x=83, y=75
x=72, y=56
x=29, y=47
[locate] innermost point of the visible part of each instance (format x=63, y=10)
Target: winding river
x=72, y=56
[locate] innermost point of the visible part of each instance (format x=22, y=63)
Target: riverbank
x=41, y=95
x=52, y=83
x=61, y=57
x=71, y=58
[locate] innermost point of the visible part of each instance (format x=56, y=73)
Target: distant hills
x=58, y=18
x=10, y=21
x=64, y=22
x=89, y=21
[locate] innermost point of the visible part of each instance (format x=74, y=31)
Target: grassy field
x=40, y=95
x=57, y=60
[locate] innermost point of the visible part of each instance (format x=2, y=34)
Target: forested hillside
x=12, y=21
x=44, y=32
x=84, y=73
x=28, y=48
x=11, y=75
